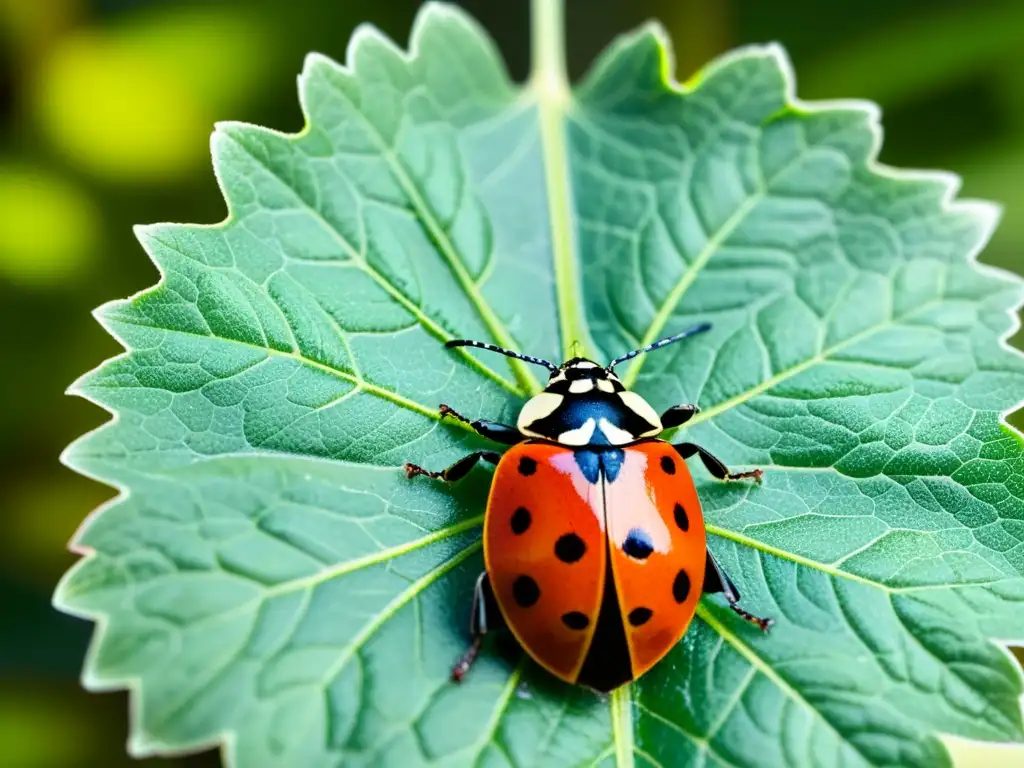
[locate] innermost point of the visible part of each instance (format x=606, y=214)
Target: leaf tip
x=146, y=234
x=655, y=32
x=988, y=213
x=774, y=49
x=67, y=457
x=775, y=54
x=62, y=600
x=222, y=135
x=228, y=128
x=367, y=35
x=58, y=600
x=772, y=53
x=435, y=9
x=636, y=44
x=141, y=745
x=102, y=312
x=229, y=136
x=434, y=12
x=314, y=62
x=74, y=389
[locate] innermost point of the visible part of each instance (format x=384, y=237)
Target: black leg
x=714, y=466
x=678, y=415
x=456, y=471
x=717, y=580
x=485, y=617
x=499, y=433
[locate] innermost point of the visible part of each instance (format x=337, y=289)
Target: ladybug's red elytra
x=594, y=541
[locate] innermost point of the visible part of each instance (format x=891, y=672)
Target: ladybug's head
x=579, y=376
x=585, y=403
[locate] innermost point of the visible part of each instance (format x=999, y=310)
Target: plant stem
x=550, y=87
x=548, y=30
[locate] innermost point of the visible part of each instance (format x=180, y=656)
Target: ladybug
x=594, y=542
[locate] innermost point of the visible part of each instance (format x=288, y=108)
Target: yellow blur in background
x=105, y=113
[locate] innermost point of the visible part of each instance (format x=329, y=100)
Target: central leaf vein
x=621, y=704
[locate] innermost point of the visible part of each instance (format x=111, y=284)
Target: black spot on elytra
x=681, y=587
x=521, y=520
x=527, y=466
x=575, y=620
x=682, y=520
x=570, y=548
x=638, y=544
x=525, y=591
x=668, y=465
x=640, y=616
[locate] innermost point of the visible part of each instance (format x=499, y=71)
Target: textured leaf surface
x=269, y=579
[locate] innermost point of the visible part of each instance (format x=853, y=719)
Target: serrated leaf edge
x=621, y=701
x=140, y=744
x=986, y=213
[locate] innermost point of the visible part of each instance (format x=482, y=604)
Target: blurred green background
x=105, y=111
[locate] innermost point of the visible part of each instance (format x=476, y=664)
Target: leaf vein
x=384, y=394
x=442, y=239
x=501, y=705
x=772, y=675
x=399, y=601
x=821, y=357
x=359, y=261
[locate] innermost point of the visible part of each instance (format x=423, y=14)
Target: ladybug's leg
x=714, y=465
x=717, y=580
x=456, y=471
x=485, y=616
x=499, y=433
x=678, y=415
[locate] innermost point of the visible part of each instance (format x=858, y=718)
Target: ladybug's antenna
x=659, y=344
x=500, y=351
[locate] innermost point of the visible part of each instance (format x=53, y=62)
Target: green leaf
x=270, y=581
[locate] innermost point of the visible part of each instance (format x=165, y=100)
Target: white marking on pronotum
x=539, y=407
x=580, y=386
x=560, y=376
x=580, y=435
x=614, y=434
x=605, y=385
x=536, y=408
x=585, y=364
x=643, y=409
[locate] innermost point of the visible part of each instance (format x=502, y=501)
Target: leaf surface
x=270, y=581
